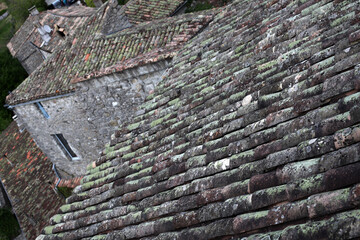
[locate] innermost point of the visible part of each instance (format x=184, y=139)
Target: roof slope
x=255, y=133
x=139, y=11
x=69, y=19
x=89, y=54
x=119, y=17
x=27, y=177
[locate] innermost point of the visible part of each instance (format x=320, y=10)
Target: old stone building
x=95, y=80
x=86, y=118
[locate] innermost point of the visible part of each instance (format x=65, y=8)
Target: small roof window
x=64, y=145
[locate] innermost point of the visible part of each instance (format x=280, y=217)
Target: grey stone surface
x=29, y=57
x=88, y=117
x=4, y=16
x=116, y=19
x=20, y=237
x=97, y=3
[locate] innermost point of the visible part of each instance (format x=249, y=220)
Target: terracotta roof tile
x=254, y=133
x=139, y=11
x=70, y=183
x=27, y=177
x=69, y=19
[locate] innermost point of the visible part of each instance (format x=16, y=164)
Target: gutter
x=37, y=100
x=58, y=182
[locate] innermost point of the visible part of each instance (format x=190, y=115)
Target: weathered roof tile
x=27, y=176
x=139, y=11
x=261, y=141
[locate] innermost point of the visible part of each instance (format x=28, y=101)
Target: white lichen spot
x=247, y=100
x=297, y=77
x=225, y=164
x=293, y=89
x=235, y=207
x=114, y=104
x=308, y=149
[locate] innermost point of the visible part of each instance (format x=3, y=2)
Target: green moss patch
x=65, y=191
x=9, y=227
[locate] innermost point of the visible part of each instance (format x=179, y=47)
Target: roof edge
x=126, y=65
x=11, y=105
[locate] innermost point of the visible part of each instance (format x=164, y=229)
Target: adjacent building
x=42, y=32
x=94, y=81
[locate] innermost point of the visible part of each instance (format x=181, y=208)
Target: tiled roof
x=69, y=19
x=90, y=54
x=27, y=177
x=139, y=11
x=255, y=133
x=70, y=183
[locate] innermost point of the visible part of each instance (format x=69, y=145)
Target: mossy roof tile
x=266, y=136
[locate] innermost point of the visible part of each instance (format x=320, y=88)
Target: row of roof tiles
x=254, y=133
x=139, y=11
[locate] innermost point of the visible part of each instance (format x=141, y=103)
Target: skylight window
x=64, y=145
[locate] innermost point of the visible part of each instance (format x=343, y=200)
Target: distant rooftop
x=89, y=53
x=31, y=39
x=27, y=176
x=139, y=11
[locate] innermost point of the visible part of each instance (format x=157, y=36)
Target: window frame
x=65, y=147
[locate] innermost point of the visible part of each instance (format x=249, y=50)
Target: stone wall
x=88, y=117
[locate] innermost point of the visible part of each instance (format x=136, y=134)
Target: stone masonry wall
x=88, y=117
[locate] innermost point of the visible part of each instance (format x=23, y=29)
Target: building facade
x=94, y=81
x=73, y=129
